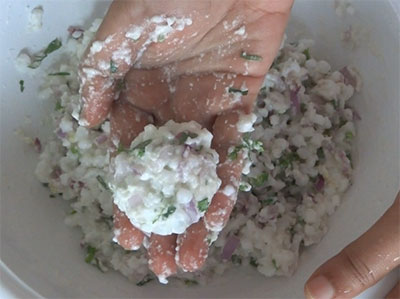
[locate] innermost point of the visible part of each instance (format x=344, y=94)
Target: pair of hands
x=185, y=77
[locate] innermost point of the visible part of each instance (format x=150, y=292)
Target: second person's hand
x=153, y=61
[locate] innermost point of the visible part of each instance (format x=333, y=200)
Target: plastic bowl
x=41, y=256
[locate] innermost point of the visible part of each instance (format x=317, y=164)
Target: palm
x=184, y=81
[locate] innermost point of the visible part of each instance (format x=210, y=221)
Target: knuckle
x=359, y=271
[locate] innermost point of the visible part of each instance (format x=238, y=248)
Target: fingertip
x=319, y=287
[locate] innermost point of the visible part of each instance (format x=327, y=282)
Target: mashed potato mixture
x=166, y=180
x=300, y=165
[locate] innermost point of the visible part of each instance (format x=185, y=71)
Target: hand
x=362, y=263
x=182, y=74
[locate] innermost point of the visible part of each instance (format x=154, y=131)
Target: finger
x=126, y=123
x=162, y=256
x=229, y=171
x=108, y=58
x=394, y=293
x=362, y=263
x=125, y=234
x=192, y=247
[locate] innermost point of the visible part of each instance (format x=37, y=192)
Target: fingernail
x=319, y=288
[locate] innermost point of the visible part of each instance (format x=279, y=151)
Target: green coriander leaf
x=53, y=46
x=182, y=137
x=160, y=38
x=74, y=149
x=38, y=58
x=287, y=159
x=259, y=180
x=253, y=262
x=113, y=67
x=235, y=90
x=120, y=148
x=348, y=136
x=141, y=147
x=320, y=153
x=145, y=280
x=307, y=53
x=234, y=153
x=58, y=106
x=301, y=221
x=91, y=251
x=252, y=57
x=73, y=212
x=236, y=259
x=169, y=212
x=21, y=85
x=60, y=74
x=268, y=201
x=102, y=182
x=303, y=108
x=309, y=83
x=334, y=104
x=190, y=282
x=274, y=263
x=244, y=187
x=202, y=205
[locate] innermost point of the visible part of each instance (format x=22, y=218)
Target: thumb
x=362, y=263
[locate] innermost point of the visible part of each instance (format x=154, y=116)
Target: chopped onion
x=356, y=115
x=349, y=79
x=101, y=139
x=231, y=244
x=61, y=134
x=37, y=145
x=320, y=183
x=75, y=32
x=191, y=210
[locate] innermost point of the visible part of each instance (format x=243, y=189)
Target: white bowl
x=40, y=255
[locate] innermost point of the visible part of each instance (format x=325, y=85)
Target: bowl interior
x=45, y=254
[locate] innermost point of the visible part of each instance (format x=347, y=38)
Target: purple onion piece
x=320, y=183
x=37, y=145
x=101, y=139
x=192, y=211
x=356, y=115
x=349, y=79
x=230, y=246
x=61, y=134
x=294, y=97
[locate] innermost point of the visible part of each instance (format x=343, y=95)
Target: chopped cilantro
x=145, y=280
x=113, y=67
x=102, y=182
x=334, y=104
x=74, y=149
x=287, y=159
x=268, y=201
x=120, y=84
x=235, y=90
x=160, y=38
x=307, y=53
x=190, y=282
x=141, y=147
x=21, y=85
x=253, y=262
x=60, y=74
x=301, y=221
x=58, y=106
x=259, y=180
x=348, y=136
x=236, y=260
x=182, y=137
x=73, y=212
x=202, y=205
x=253, y=145
x=275, y=264
x=303, y=108
x=120, y=148
x=320, y=153
x=252, y=57
x=91, y=251
x=37, y=59
x=309, y=83
x=234, y=153
x=245, y=187
x=164, y=215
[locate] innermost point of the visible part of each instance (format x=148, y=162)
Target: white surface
x=45, y=254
